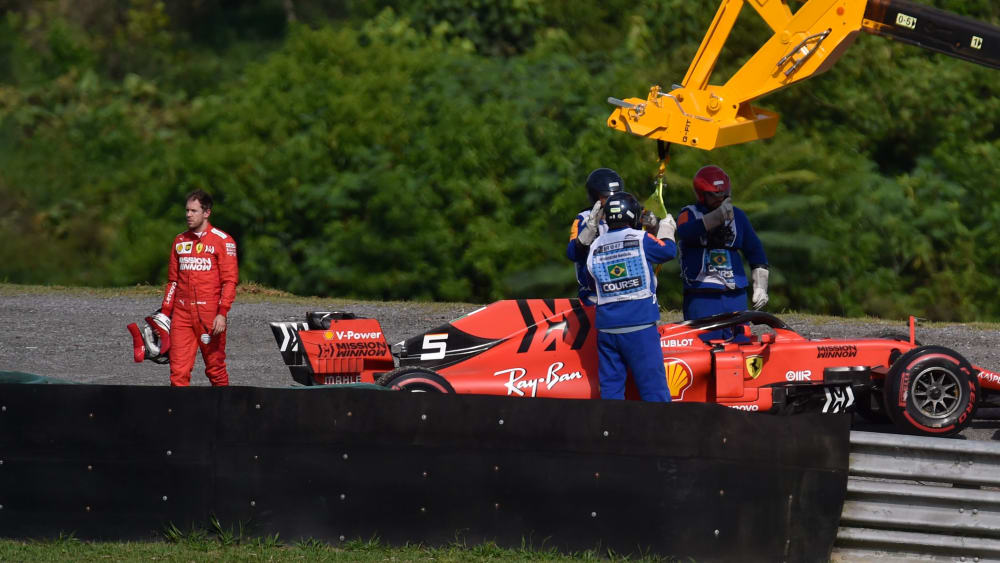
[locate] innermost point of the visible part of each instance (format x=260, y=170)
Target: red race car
x=547, y=348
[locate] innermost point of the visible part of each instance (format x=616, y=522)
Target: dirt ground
x=80, y=336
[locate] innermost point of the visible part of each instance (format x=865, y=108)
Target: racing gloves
x=719, y=216
x=590, y=229
x=663, y=228
x=759, y=275
x=666, y=227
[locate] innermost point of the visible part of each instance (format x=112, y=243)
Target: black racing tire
x=871, y=407
x=931, y=390
x=415, y=379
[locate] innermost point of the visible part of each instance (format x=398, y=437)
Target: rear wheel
x=415, y=379
x=931, y=390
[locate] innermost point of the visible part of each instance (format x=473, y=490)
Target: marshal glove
x=591, y=226
x=666, y=228
x=649, y=220
x=759, y=275
x=719, y=216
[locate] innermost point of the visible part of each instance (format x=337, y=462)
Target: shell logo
x=678, y=377
x=328, y=335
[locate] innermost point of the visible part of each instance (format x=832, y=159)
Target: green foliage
x=263, y=549
x=493, y=27
x=437, y=150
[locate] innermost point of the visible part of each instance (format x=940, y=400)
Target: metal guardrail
x=913, y=498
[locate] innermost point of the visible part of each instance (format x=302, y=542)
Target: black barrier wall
x=688, y=480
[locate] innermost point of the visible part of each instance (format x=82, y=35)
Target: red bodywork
x=547, y=348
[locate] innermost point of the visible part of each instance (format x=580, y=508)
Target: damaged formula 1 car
x=547, y=348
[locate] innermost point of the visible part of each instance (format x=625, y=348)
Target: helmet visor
x=714, y=199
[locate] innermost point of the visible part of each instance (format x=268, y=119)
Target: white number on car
x=437, y=343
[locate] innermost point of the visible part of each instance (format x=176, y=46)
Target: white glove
x=719, y=216
x=666, y=228
x=759, y=276
x=590, y=228
x=727, y=210
x=649, y=220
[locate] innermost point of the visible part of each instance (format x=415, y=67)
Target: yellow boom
x=804, y=44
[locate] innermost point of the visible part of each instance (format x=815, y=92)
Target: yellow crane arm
x=804, y=44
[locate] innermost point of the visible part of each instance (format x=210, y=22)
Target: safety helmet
x=711, y=181
x=152, y=340
x=622, y=209
x=603, y=182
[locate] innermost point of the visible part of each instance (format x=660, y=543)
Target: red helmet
x=711, y=181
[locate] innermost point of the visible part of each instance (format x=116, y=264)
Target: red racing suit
x=201, y=283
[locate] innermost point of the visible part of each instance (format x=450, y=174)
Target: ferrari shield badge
x=754, y=365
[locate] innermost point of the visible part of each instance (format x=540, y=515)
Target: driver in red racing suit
x=201, y=286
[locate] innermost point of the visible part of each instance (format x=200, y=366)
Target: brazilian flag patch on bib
x=617, y=270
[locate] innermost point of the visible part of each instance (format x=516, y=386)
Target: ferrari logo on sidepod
x=754, y=365
x=678, y=377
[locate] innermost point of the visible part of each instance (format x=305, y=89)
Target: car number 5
x=437, y=344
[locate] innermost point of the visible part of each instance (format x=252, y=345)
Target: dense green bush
x=436, y=150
